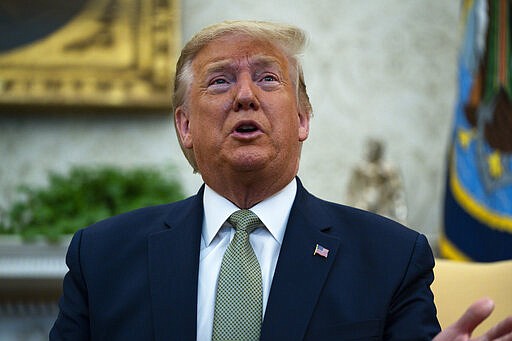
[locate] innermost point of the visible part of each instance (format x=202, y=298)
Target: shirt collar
x=273, y=211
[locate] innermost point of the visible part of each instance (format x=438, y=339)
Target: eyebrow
x=256, y=60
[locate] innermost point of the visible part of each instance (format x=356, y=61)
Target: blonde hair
x=289, y=38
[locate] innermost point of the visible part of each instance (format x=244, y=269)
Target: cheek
x=212, y=113
x=206, y=130
x=226, y=105
x=221, y=101
x=287, y=123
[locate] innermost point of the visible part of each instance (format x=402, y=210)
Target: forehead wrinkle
x=259, y=60
x=264, y=61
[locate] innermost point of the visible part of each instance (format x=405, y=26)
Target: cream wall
x=379, y=68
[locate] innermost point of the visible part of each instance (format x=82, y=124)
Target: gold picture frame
x=111, y=54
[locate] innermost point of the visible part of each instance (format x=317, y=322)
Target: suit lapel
x=299, y=275
x=173, y=271
x=298, y=279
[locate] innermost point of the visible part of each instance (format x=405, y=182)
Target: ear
x=303, y=125
x=182, y=123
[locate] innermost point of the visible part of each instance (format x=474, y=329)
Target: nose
x=245, y=97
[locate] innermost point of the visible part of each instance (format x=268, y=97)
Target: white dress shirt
x=216, y=236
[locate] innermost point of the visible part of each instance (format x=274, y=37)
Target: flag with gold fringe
x=477, y=222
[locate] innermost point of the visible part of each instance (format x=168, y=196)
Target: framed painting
x=88, y=53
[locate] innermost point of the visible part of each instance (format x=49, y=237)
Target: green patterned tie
x=238, y=304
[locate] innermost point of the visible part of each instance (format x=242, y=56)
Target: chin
x=250, y=166
x=248, y=162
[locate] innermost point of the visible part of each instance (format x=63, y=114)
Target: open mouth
x=246, y=128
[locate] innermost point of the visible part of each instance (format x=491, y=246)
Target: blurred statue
x=376, y=186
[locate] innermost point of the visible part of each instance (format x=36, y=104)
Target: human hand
x=461, y=330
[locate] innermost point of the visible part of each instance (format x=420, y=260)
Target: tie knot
x=244, y=220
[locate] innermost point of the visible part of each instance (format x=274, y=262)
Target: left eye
x=269, y=78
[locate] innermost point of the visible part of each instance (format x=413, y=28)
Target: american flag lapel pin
x=321, y=251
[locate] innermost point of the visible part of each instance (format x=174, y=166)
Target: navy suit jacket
x=134, y=277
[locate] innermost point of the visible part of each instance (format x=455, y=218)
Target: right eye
x=218, y=81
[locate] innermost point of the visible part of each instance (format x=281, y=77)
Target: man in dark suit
x=303, y=269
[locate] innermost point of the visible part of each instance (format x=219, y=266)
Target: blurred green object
x=84, y=196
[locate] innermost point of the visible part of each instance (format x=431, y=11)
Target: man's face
x=241, y=114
